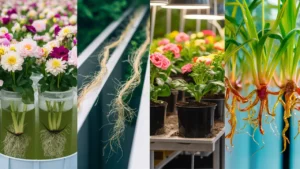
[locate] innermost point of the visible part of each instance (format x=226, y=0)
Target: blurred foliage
x=95, y=15
x=190, y=25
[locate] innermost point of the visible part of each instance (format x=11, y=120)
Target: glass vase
x=18, y=126
x=57, y=124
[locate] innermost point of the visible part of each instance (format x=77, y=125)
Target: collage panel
x=187, y=84
x=262, y=79
x=38, y=80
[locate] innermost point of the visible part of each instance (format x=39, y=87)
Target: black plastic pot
x=219, y=111
x=181, y=96
x=157, y=117
x=171, y=100
x=196, y=121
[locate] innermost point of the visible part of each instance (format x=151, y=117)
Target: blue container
x=69, y=162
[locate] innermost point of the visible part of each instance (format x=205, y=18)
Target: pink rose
x=182, y=37
x=163, y=42
x=39, y=25
x=186, y=68
x=160, y=61
x=1, y=83
x=208, y=33
x=4, y=41
x=73, y=56
x=172, y=48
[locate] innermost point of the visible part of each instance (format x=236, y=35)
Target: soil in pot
x=157, y=117
x=220, y=109
x=195, y=119
x=171, y=100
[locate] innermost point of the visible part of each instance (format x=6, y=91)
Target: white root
x=120, y=108
x=53, y=144
x=15, y=146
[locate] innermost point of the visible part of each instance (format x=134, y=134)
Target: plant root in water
x=53, y=143
x=15, y=145
x=120, y=109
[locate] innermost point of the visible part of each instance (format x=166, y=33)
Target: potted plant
x=17, y=102
x=172, y=52
x=57, y=108
x=196, y=118
x=159, y=79
x=216, y=93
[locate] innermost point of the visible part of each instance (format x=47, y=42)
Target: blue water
x=246, y=154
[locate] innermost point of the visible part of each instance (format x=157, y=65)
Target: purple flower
x=30, y=29
x=56, y=30
x=57, y=15
x=5, y=20
x=30, y=21
x=4, y=41
x=75, y=41
x=60, y=53
x=33, y=5
x=7, y=36
x=12, y=11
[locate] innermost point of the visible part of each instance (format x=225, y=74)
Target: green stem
x=14, y=117
x=54, y=121
x=13, y=77
x=61, y=107
x=58, y=80
x=50, y=121
x=21, y=124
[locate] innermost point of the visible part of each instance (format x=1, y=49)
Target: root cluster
x=53, y=144
x=287, y=91
x=16, y=145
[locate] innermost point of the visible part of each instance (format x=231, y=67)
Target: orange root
x=232, y=121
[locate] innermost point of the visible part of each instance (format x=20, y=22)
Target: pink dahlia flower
x=73, y=56
x=39, y=25
x=27, y=48
x=4, y=41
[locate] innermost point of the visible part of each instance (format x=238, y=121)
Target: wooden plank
x=173, y=146
x=177, y=139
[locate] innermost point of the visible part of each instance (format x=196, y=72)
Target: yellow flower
x=54, y=20
x=211, y=56
x=200, y=34
x=187, y=43
x=3, y=50
x=12, y=48
x=210, y=39
x=199, y=42
x=173, y=34
x=193, y=36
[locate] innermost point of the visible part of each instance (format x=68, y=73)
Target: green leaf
x=160, y=81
